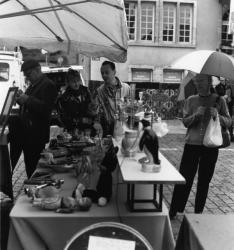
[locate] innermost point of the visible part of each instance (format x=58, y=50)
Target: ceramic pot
x=129, y=143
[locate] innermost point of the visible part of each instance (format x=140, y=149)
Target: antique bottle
x=130, y=143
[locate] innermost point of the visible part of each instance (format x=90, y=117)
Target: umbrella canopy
x=187, y=87
x=207, y=62
x=94, y=28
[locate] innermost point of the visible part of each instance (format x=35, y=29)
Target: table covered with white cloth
x=32, y=228
x=206, y=232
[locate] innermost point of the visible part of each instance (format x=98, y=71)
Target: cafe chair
x=107, y=231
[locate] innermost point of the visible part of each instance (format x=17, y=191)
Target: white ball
x=102, y=201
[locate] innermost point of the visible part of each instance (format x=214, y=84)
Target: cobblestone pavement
x=220, y=198
x=221, y=193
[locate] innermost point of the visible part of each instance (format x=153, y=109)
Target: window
x=226, y=39
x=162, y=22
x=169, y=22
x=184, y=31
x=4, y=72
x=185, y=23
x=147, y=21
x=130, y=9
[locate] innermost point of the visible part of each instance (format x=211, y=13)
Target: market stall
x=38, y=222
x=33, y=228
x=90, y=178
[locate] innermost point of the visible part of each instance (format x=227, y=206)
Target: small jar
x=129, y=143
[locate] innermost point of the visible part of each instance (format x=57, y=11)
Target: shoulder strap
x=217, y=100
x=232, y=90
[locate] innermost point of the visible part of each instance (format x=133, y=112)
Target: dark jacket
x=197, y=127
x=220, y=89
x=76, y=109
x=36, y=112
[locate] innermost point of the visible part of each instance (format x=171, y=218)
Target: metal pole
x=132, y=95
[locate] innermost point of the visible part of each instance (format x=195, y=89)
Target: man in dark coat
x=33, y=125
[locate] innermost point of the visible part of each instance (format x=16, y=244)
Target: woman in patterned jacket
x=75, y=105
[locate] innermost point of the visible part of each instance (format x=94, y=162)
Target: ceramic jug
x=130, y=143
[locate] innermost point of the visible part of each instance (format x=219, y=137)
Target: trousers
x=31, y=153
x=196, y=158
x=21, y=142
x=108, y=128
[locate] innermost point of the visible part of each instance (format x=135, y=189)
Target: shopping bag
x=225, y=133
x=226, y=138
x=160, y=128
x=213, y=135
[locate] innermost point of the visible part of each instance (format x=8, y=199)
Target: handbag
x=213, y=134
x=226, y=138
x=225, y=134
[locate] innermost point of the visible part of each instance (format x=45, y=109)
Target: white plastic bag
x=213, y=135
x=160, y=128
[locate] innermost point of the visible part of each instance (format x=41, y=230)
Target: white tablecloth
x=206, y=232
x=34, y=229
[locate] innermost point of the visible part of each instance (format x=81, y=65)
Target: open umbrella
x=207, y=62
x=91, y=27
x=186, y=81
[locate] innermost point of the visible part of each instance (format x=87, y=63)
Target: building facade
x=226, y=45
x=160, y=31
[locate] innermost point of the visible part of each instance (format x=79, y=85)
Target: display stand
x=136, y=180
x=156, y=199
x=5, y=167
x=6, y=188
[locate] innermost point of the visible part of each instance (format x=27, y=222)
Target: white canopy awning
x=91, y=27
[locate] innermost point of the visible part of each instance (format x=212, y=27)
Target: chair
x=111, y=230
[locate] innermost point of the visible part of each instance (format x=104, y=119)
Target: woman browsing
x=197, y=112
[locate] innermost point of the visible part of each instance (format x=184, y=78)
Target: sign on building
x=172, y=76
x=141, y=75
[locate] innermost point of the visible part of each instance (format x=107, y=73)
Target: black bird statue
x=149, y=144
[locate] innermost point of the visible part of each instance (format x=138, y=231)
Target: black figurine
x=103, y=191
x=149, y=144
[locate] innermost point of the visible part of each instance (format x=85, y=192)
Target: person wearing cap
x=34, y=117
x=109, y=97
x=75, y=105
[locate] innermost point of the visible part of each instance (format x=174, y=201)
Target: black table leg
x=132, y=201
